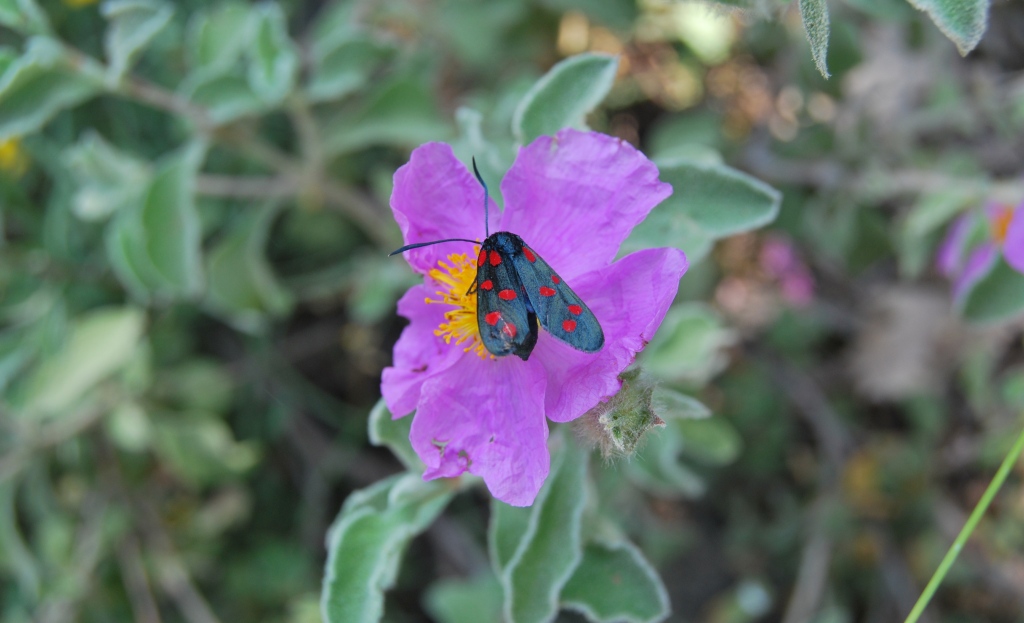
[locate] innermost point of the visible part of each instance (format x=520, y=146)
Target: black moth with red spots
x=516, y=290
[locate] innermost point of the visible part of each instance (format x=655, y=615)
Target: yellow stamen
x=1001, y=224
x=457, y=276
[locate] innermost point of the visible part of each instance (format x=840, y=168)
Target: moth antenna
x=427, y=244
x=479, y=178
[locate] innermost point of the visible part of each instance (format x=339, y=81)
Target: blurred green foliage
x=195, y=307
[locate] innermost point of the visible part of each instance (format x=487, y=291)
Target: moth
x=517, y=291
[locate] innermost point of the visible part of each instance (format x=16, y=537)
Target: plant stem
x=305, y=175
x=965, y=533
x=239, y=187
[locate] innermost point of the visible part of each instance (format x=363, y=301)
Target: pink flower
x=780, y=259
x=974, y=241
x=573, y=198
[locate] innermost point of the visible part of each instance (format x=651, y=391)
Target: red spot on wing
x=486, y=285
x=492, y=318
x=507, y=295
x=575, y=310
x=555, y=279
x=546, y=291
x=495, y=258
x=483, y=258
x=509, y=329
x=569, y=325
x=529, y=254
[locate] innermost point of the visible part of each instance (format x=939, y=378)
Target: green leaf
x=999, y=296
x=274, y=58
x=241, y=285
x=373, y=285
x=668, y=403
x=15, y=356
x=550, y=548
x=198, y=384
x=688, y=424
x=477, y=600
x=226, y=96
x=126, y=250
x=133, y=24
x=963, y=21
x=128, y=426
x=7, y=58
x=334, y=24
x=394, y=434
x=709, y=201
x=154, y=246
x=41, y=83
x=218, y=37
x=721, y=200
x=346, y=68
x=925, y=217
x=17, y=558
x=100, y=343
x=171, y=222
x=564, y=96
x=815, y=17
x=108, y=179
x=693, y=136
x=657, y=467
x=24, y=16
x=711, y=441
x=669, y=228
x=401, y=113
x=505, y=532
x=614, y=583
x=201, y=449
x=935, y=210
x=689, y=345
x=365, y=544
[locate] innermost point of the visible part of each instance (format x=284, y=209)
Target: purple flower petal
x=486, y=417
x=575, y=197
x=950, y=257
x=630, y=299
x=979, y=263
x=1013, y=246
x=419, y=354
x=436, y=197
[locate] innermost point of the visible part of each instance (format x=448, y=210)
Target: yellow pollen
x=1001, y=224
x=457, y=277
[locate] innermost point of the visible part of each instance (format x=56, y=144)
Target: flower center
x=456, y=278
x=1001, y=224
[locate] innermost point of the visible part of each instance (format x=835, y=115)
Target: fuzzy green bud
x=617, y=426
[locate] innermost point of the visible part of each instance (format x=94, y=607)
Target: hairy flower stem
x=968, y=529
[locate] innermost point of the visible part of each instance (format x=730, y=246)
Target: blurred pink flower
x=573, y=198
x=780, y=260
x=974, y=242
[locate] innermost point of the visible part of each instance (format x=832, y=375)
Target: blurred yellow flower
x=78, y=4
x=13, y=159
